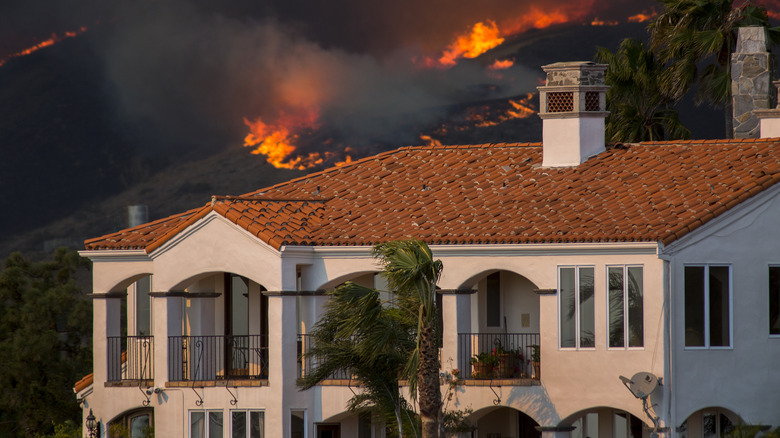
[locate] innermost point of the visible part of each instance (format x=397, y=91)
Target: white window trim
x=248, y=412
x=625, y=307
x=770, y=265
x=305, y=422
x=707, y=267
x=206, y=420
x=577, y=337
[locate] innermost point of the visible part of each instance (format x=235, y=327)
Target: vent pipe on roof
x=751, y=73
x=137, y=215
x=573, y=108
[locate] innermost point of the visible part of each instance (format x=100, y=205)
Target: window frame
x=626, y=314
x=248, y=412
x=577, y=322
x=206, y=422
x=707, y=326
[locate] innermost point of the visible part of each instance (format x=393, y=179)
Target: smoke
x=187, y=73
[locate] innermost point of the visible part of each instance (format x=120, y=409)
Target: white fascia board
x=116, y=255
x=202, y=222
x=546, y=249
x=756, y=204
x=488, y=250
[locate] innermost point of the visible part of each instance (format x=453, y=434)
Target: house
x=658, y=262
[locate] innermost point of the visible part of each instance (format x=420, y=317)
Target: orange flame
x=481, y=38
x=276, y=140
x=501, y=64
x=641, y=18
x=535, y=18
x=46, y=43
x=598, y=22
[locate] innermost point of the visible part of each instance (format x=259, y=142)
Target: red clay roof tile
x=497, y=193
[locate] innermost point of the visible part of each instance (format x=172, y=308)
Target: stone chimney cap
x=578, y=74
x=571, y=65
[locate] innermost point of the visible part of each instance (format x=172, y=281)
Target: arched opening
x=364, y=424
x=503, y=317
x=605, y=422
x=136, y=423
x=224, y=330
x=711, y=422
x=130, y=344
x=502, y=422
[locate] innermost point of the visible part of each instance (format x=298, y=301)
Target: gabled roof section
x=496, y=193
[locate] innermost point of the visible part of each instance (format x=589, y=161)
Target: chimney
x=137, y=215
x=572, y=106
x=751, y=73
x=769, y=119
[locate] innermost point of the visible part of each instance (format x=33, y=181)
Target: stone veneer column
x=751, y=73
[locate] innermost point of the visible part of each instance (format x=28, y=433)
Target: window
x=493, y=300
x=707, y=306
x=143, y=306
x=625, y=295
x=206, y=424
x=774, y=300
x=133, y=424
x=298, y=424
x=247, y=424
x=576, y=311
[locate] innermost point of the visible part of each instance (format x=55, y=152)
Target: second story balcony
x=217, y=357
x=130, y=359
x=498, y=355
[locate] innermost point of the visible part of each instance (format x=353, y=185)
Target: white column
x=105, y=322
x=167, y=314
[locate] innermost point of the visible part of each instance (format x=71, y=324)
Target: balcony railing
x=307, y=363
x=130, y=358
x=508, y=366
x=217, y=357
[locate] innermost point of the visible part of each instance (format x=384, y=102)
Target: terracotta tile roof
x=83, y=383
x=495, y=193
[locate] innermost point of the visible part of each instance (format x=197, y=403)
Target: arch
x=330, y=284
x=475, y=277
x=183, y=284
x=634, y=418
x=720, y=419
x=506, y=420
x=136, y=422
x=123, y=284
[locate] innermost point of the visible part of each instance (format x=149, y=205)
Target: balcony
x=307, y=363
x=130, y=358
x=513, y=364
x=217, y=357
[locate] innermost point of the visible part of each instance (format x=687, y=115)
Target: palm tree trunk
x=429, y=388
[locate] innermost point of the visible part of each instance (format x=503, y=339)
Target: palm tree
x=412, y=274
x=371, y=342
x=690, y=31
x=638, y=104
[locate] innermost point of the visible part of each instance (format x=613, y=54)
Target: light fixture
x=91, y=424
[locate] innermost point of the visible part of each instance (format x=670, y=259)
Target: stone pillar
x=751, y=73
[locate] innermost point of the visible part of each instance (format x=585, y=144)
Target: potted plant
x=508, y=360
x=535, y=362
x=482, y=365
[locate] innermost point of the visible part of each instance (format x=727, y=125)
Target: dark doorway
x=527, y=426
x=328, y=431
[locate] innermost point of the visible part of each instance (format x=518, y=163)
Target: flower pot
x=482, y=370
x=537, y=370
x=506, y=366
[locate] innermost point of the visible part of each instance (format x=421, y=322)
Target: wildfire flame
x=535, y=18
x=484, y=116
x=481, y=38
x=46, y=43
x=276, y=141
x=598, y=22
x=501, y=64
x=641, y=18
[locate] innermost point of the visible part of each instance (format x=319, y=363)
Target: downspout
x=669, y=398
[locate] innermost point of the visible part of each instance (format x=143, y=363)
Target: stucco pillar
x=283, y=357
x=105, y=322
x=167, y=322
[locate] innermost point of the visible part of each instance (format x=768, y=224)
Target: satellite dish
x=641, y=384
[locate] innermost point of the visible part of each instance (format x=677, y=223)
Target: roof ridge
x=215, y=198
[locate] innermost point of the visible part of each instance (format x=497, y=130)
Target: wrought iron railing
x=306, y=363
x=515, y=362
x=217, y=357
x=130, y=358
